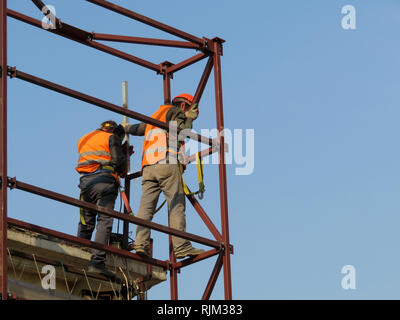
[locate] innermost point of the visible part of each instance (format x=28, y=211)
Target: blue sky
x=323, y=103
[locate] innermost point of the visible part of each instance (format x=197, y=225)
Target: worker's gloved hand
x=193, y=112
x=126, y=148
x=119, y=131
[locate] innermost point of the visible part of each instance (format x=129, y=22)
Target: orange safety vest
x=155, y=146
x=94, y=153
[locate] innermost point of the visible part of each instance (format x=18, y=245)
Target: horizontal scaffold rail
x=146, y=20
x=14, y=73
x=13, y=183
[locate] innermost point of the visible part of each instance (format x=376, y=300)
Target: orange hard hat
x=183, y=97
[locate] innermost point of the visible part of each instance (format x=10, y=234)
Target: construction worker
x=161, y=172
x=101, y=161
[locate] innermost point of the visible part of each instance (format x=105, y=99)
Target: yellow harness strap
x=81, y=212
x=200, y=178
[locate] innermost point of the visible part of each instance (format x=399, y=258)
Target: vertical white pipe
x=125, y=119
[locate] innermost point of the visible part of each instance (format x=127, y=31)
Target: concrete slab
x=29, y=252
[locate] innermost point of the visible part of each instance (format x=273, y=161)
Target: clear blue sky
x=324, y=104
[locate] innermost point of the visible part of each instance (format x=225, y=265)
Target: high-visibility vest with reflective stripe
x=94, y=151
x=155, y=145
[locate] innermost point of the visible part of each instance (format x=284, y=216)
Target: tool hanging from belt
x=126, y=202
x=200, y=178
x=105, y=169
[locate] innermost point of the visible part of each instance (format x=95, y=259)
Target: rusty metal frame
x=209, y=48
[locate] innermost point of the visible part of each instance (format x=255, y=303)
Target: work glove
x=119, y=131
x=193, y=112
x=126, y=148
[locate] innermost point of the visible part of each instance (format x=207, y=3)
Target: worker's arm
x=173, y=114
x=118, y=158
x=136, y=129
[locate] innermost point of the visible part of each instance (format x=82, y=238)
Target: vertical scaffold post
x=3, y=149
x=222, y=169
x=173, y=273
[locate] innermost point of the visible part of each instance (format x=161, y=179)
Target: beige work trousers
x=166, y=178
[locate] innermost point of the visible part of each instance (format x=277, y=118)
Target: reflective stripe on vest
x=155, y=142
x=155, y=145
x=94, y=151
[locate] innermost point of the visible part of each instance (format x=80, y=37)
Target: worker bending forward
x=161, y=172
x=101, y=160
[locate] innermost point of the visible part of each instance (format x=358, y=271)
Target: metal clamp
x=12, y=72
x=201, y=195
x=12, y=183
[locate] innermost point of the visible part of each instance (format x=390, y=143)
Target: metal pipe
x=145, y=41
x=176, y=67
x=166, y=82
x=101, y=103
x=206, y=219
x=203, y=80
x=222, y=169
x=148, y=21
x=13, y=183
x=213, y=278
x=173, y=273
x=3, y=149
x=87, y=243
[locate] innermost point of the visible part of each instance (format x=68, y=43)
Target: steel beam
x=166, y=81
x=222, y=168
x=173, y=273
x=83, y=37
x=3, y=149
x=213, y=278
x=145, y=41
x=153, y=23
x=176, y=67
x=206, y=219
x=203, y=80
x=100, y=103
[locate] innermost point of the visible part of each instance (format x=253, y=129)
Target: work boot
x=191, y=252
x=101, y=269
x=143, y=251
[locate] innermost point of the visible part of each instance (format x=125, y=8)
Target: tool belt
x=103, y=169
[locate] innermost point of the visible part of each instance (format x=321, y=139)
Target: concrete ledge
x=28, y=252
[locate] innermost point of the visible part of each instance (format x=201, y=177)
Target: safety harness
x=199, y=192
x=200, y=178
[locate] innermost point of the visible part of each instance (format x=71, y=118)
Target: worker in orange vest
x=161, y=172
x=102, y=159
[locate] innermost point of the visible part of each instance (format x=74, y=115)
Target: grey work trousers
x=166, y=178
x=102, y=190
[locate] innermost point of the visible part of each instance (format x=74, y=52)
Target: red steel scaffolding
x=210, y=49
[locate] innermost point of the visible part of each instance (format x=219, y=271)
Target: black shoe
x=100, y=269
x=192, y=252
